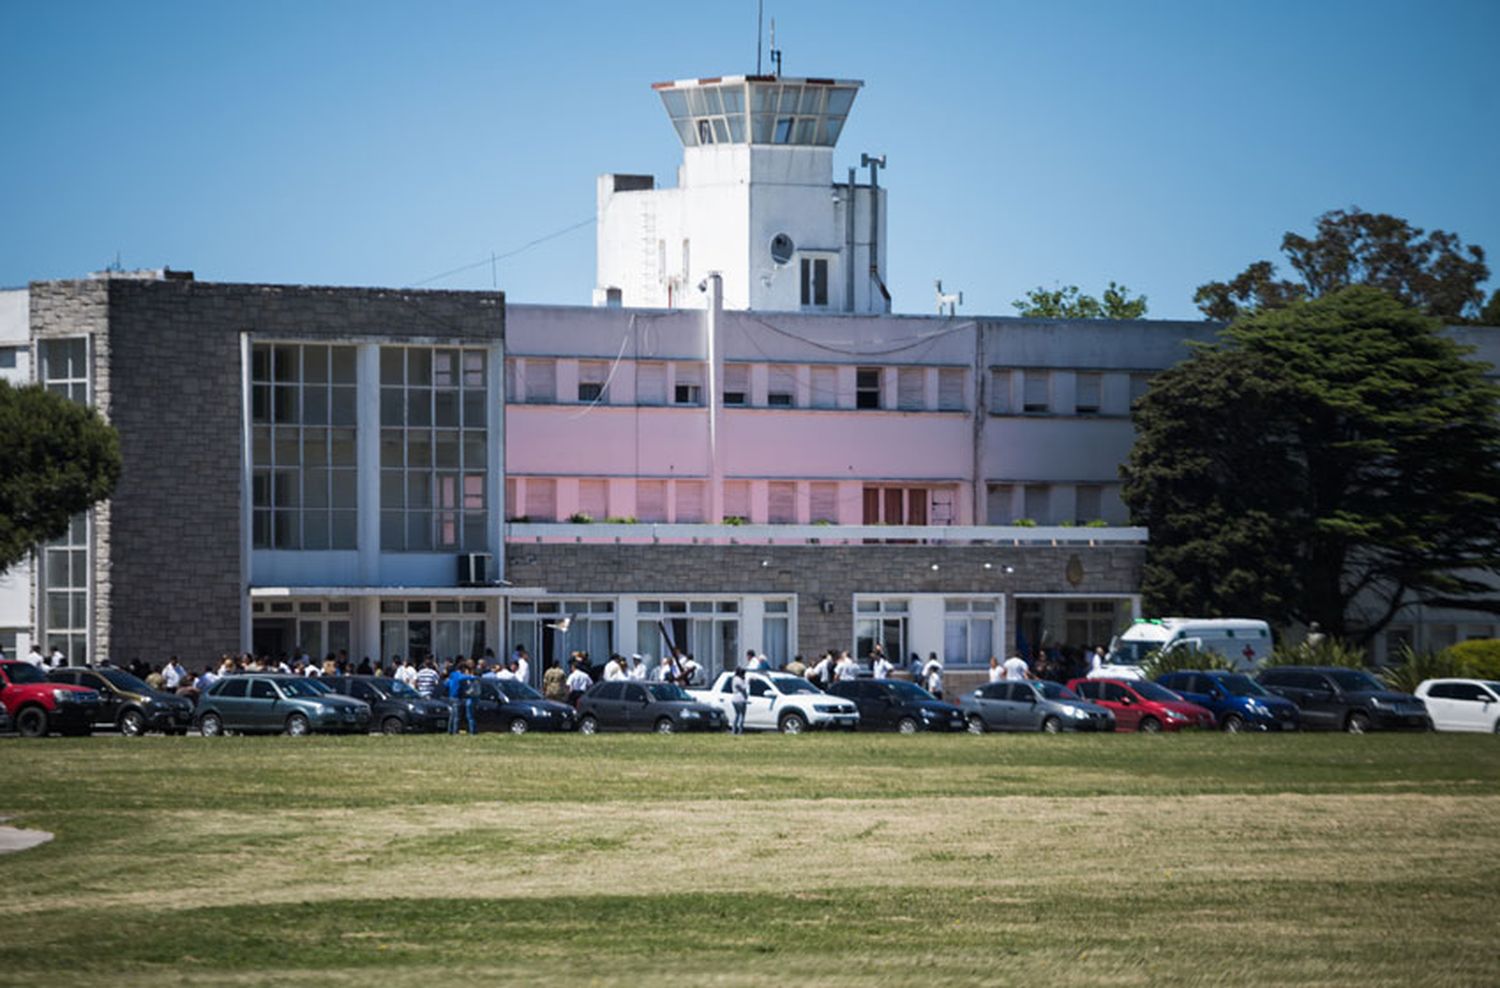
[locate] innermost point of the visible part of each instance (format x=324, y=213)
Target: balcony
x=648, y=533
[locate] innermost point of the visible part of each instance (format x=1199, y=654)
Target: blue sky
x=1160, y=144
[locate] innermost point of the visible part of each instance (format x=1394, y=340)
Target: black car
x=896, y=705
x=1332, y=698
x=660, y=707
x=395, y=708
x=511, y=705
x=127, y=702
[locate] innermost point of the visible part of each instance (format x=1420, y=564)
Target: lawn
x=848, y=860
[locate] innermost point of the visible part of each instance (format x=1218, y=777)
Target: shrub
x=1159, y=663
x=1097, y=523
x=1479, y=659
x=1330, y=652
x=581, y=518
x=1024, y=523
x=619, y=520
x=1413, y=667
x=736, y=520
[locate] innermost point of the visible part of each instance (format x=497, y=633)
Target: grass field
x=845, y=860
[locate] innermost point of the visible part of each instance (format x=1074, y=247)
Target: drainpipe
x=849, y=245
x=875, y=162
x=714, y=285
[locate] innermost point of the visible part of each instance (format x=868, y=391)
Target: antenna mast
x=760, y=30
x=775, y=52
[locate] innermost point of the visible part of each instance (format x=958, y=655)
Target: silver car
x=1032, y=705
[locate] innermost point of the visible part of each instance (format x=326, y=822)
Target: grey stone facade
x=167, y=374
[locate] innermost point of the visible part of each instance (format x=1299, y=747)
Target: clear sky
x=1162, y=144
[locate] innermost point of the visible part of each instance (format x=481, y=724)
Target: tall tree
x=57, y=458
x=1433, y=273
x=1068, y=303
x=1327, y=461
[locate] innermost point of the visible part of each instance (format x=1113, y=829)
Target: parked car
x=632, y=706
x=395, y=708
x=36, y=705
x=1461, y=704
x=1237, y=701
x=781, y=702
x=511, y=705
x=127, y=703
x=1032, y=705
x=1141, y=705
x=271, y=704
x=896, y=705
x=1333, y=698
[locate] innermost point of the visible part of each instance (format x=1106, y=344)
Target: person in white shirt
x=405, y=672
x=1096, y=660
x=172, y=673
x=58, y=658
x=666, y=672
x=881, y=666
x=934, y=673
x=577, y=681
x=507, y=671
x=1016, y=668
x=690, y=668
x=822, y=672
x=523, y=665
x=614, y=669
x=36, y=658
x=637, y=667
x=846, y=669
x=997, y=671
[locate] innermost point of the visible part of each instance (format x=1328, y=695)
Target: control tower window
x=815, y=281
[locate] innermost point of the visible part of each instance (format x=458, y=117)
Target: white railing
x=638, y=533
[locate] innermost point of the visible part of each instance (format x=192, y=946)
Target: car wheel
x=1358, y=723
x=1051, y=725
x=1150, y=725
x=976, y=724
x=793, y=724
x=519, y=726
x=32, y=723
x=210, y=726
x=588, y=725
x=296, y=726
x=907, y=725
x=1233, y=724
x=392, y=725
x=132, y=724
x=665, y=726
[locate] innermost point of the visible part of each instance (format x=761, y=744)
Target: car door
x=263, y=711
x=1024, y=712
x=763, y=708
x=110, y=700
x=989, y=705
x=1471, y=707
x=228, y=700
x=633, y=705
x=1323, y=705
x=1120, y=700
x=1443, y=707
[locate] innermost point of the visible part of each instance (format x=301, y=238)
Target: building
x=15, y=367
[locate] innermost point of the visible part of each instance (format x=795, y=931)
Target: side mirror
x=1127, y=699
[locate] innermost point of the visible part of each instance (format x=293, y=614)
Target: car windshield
x=122, y=680
x=302, y=687
x=667, y=691
x=518, y=691
x=22, y=673
x=1354, y=680
x=909, y=691
x=1055, y=691
x=1151, y=691
x=1240, y=685
x=1124, y=653
x=794, y=684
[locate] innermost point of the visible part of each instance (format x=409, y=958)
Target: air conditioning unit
x=473, y=569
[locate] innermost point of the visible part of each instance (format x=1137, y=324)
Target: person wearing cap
x=637, y=667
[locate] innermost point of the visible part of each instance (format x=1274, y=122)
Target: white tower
x=755, y=201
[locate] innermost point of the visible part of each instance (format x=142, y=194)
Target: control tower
x=755, y=201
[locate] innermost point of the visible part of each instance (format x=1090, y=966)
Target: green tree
x=1333, y=449
x=1491, y=314
x=1434, y=274
x=1067, y=303
x=57, y=458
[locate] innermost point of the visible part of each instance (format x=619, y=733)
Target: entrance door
x=273, y=636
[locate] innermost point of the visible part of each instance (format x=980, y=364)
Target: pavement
x=14, y=839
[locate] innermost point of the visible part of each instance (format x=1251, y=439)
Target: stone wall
x=819, y=574
x=167, y=374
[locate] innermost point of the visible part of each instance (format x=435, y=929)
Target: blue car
x=1238, y=702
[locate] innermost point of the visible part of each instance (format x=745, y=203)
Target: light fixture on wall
x=934, y=567
x=764, y=563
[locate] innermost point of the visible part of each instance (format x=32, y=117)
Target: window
x=591, y=628
x=736, y=383
x=999, y=499
x=737, y=499
x=1038, y=501
x=823, y=498
x=261, y=689
x=781, y=502
x=592, y=377
x=709, y=630
x=1038, y=396
x=950, y=389
x=541, y=499
x=651, y=383
x=895, y=505
x=776, y=632
x=867, y=387
x=688, y=389
x=691, y=507
x=825, y=388
x=911, y=388
x=541, y=381
x=9, y=357
x=1000, y=403
x=433, y=448
x=968, y=630
x=65, y=591
x=438, y=629
x=651, y=500
x=593, y=498
x=304, y=457
x=1089, y=503
x=1086, y=396
x=65, y=368
x=881, y=622
x=781, y=387
x=815, y=281
x=1086, y=621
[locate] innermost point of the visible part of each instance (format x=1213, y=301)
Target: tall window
x=781, y=502
x=911, y=388
x=1089, y=503
x=304, y=485
x=651, y=383
x=998, y=501
x=823, y=502
x=867, y=387
x=592, y=377
x=824, y=392
x=540, y=379
x=433, y=448
x=591, y=628
x=440, y=629
x=1000, y=402
x=781, y=386
x=1086, y=397
x=65, y=368
x=709, y=630
x=1038, y=501
x=776, y=632
x=737, y=499
x=691, y=502
x=65, y=564
x=815, y=281
x=968, y=630
x=593, y=498
x=951, y=389
x=688, y=387
x=651, y=500
x=882, y=622
x=1038, y=388
x=895, y=505
x=736, y=384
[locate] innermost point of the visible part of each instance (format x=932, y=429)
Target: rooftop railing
x=648, y=533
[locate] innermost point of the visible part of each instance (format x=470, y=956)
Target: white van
x=1244, y=641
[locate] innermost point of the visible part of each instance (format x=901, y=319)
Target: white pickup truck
x=782, y=702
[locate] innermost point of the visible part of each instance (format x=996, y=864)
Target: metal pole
x=849, y=245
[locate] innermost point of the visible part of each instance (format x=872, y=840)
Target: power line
x=493, y=258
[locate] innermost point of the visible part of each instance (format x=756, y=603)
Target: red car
x=37, y=705
x=1141, y=705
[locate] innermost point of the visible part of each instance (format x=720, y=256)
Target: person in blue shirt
x=461, y=689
